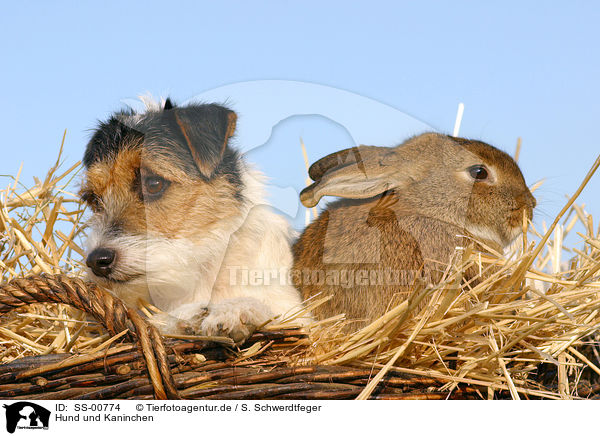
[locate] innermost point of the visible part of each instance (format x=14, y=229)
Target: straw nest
x=529, y=330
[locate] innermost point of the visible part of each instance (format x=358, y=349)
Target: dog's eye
x=154, y=186
x=92, y=200
x=478, y=172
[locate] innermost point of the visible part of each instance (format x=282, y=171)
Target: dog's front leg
x=236, y=318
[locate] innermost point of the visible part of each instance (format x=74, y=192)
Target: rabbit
x=403, y=212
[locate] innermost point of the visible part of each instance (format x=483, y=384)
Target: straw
x=527, y=328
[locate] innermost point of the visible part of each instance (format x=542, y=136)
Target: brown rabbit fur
x=403, y=212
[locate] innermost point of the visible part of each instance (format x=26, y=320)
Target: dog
x=179, y=220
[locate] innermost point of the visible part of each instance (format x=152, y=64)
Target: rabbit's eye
x=478, y=172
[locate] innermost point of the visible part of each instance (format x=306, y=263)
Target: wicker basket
x=146, y=366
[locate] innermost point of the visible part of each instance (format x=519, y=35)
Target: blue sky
x=528, y=70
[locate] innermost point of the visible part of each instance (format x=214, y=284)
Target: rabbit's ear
x=354, y=155
x=358, y=172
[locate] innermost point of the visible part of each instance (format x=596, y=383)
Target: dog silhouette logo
x=26, y=415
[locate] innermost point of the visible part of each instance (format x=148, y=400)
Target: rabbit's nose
x=527, y=199
x=532, y=201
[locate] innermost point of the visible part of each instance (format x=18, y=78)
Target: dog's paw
x=236, y=318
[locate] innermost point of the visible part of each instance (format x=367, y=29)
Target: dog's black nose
x=100, y=261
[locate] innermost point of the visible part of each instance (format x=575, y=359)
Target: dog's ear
x=206, y=130
x=168, y=104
